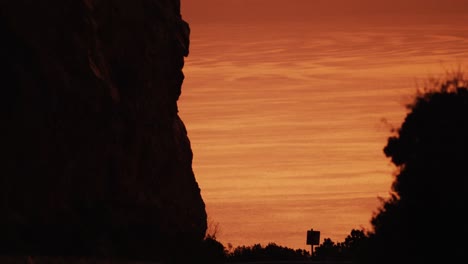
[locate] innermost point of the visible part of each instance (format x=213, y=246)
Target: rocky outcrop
x=96, y=160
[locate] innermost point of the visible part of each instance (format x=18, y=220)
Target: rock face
x=96, y=160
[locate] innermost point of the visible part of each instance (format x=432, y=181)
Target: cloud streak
x=286, y=121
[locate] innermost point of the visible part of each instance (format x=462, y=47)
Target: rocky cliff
x=96, y=160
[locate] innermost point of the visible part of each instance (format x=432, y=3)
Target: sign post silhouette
x=313, y=238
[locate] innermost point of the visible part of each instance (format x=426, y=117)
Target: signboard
x=313, y=237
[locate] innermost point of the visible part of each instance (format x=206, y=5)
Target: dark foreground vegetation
x=270, y=252
x=424, y=219
x=350, y=249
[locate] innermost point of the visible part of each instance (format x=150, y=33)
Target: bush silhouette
x=271, y=252
x=424, y=217
x=353, y=247
x=211, y=251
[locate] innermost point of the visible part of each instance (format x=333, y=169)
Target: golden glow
x=288, y=118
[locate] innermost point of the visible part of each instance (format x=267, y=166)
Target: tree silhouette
x=352, y=248
x=211, y=251
x=355, y=244
x=328, y=250
x=425, y=216
x=271, y=252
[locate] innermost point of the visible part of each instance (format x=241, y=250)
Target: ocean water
x=288, y=121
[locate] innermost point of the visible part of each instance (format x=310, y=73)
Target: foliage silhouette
x=424, y=217
x=328, y=250
x=352, y=248
x=211, y=251
x=271, y=252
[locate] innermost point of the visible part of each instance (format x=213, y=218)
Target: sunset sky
x=289, y=103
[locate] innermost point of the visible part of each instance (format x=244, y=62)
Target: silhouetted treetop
x=270, y=252
x=434, y=127
x=428, y=199
x=351, y=249
x=432, y=140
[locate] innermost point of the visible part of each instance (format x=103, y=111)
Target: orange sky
x=218, y=11
x=288, y=105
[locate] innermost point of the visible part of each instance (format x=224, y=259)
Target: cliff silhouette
x=96, y=160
